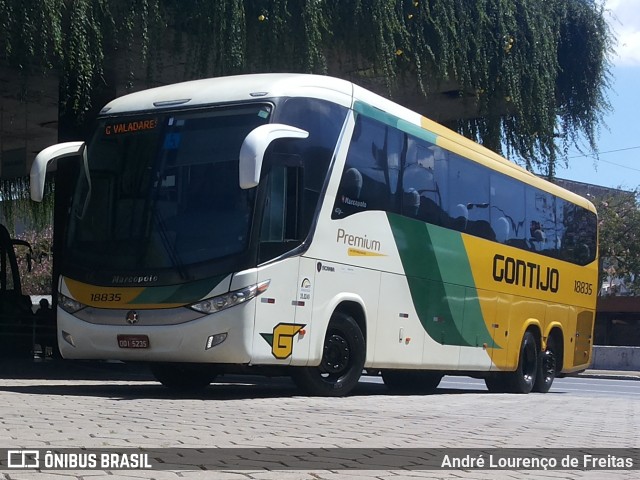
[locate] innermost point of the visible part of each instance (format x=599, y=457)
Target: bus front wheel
x=342, y=361
x=183, y=377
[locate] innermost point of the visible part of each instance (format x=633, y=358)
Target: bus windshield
x=161, y=191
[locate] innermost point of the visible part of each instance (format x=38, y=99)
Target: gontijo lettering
x=525, y=274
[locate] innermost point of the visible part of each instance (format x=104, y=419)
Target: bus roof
x=241, y=88
x=237, y=88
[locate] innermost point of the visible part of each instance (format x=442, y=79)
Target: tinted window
x=371, y=173
x=508, y=210
x=469, y=198
x=424, y=181
x=393, y=171
x=577, y=233
x=541, y=221
x=323, y=120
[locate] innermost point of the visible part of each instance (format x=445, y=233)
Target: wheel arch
x=534, y=327
x=530, y=325
x=356, y=311
x=351, y=305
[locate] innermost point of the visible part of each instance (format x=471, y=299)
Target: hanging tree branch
x=534, y=69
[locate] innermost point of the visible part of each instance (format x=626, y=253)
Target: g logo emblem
x=281, y=340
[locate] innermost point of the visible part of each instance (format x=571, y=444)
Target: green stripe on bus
x=393, y=121
x=441, y=283
x=416, y=131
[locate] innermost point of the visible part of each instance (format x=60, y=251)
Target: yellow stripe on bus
x=102, y=297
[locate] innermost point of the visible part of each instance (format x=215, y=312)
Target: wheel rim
x=549, y=365
x=529, y=363
x=336, y=357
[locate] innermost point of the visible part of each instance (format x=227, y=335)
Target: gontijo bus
x=302, y=225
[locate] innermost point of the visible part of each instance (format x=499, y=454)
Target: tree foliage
x=16, y=204
x=535, y=69
x=619, y=215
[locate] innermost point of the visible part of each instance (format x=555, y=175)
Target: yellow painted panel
x=103, y=297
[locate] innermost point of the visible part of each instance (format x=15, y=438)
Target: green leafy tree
x=534, y=70
x=619, y=218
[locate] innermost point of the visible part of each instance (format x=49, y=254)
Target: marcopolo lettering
x=117, y=279
x=514, y=271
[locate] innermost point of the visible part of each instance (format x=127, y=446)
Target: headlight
x=69, y=305
x=231, y=299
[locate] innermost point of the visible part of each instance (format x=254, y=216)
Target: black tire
x=183, y=377
x=497, y=383
x=342, y=360
x=547, y=367
x=524, y=377
x=411, y=381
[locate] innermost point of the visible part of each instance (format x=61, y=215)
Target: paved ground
x=44, y=406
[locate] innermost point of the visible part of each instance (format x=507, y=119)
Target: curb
x=610, y=374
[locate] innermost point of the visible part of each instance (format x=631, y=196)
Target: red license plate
x=133, y=341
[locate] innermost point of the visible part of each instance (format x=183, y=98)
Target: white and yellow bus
x=301, y=225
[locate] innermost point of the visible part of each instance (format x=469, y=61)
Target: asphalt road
x=580, y=386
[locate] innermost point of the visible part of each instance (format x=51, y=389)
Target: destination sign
x=128, y=127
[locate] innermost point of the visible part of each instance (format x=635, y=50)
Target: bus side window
x=365, y=183
x=422, y=197
x=280, y=230
x=541, y=221
x=469, y=198
x=577, y=231
x=324, y=121
x=508, y=210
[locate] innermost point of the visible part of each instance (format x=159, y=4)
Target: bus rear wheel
x=183, y=377
x=524, y=377
x=547, y=367
x=411, y=381
x=342, y=360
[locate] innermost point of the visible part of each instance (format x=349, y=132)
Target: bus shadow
x=154, y=391
x=232, y=388
x=134, y=381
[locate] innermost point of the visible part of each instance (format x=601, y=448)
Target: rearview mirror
x=44, y=158
x=256, y=144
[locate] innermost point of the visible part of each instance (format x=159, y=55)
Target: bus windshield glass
x=161, y=191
